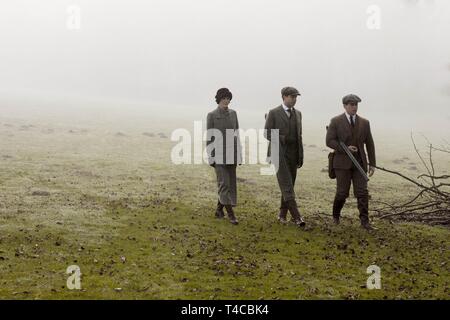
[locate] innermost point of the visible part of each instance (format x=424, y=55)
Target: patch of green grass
x=172, y=251
x=141, y=228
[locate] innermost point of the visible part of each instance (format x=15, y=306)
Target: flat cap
x=290, y=91
x=351, y=98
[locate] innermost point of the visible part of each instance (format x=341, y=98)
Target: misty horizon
x=174, y=55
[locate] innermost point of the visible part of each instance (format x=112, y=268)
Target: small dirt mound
x=148, y=134
x=25, y=127
x=41, y=193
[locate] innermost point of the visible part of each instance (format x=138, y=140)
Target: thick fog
x=170, y=57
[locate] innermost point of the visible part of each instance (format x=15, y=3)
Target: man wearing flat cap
x=288, y=121
x=354, y=132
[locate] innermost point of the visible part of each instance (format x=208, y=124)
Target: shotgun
x=355, y=162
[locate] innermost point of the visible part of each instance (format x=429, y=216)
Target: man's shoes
x=338, y=204
x=233, y=219
x=220, y=214
x=336, y=220
x=363, y=207
x=219, y=211
x=367, y=226
x=282, y=216
x=296, y=217
x=231, y=215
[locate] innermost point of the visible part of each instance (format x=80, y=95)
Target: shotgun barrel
x=355, y=162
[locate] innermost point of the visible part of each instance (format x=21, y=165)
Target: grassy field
x=139, y=227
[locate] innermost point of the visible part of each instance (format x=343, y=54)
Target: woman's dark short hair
x=223, y=93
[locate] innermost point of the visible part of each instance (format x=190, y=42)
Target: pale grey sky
x=178, y=53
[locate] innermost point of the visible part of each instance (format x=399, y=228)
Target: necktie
x=352, y=121
x=289, y=112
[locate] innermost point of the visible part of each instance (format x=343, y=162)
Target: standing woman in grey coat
x=224, y=152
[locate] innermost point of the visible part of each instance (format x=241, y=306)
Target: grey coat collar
x=283, y=114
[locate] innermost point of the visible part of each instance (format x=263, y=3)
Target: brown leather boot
x=231, y=215
x=296, y=217
x=282, y=215
x=363, y=207
x=338, y=204
x=219, y=211
x=366, y=225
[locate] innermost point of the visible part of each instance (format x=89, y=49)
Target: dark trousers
x=344, y=178
x=287, y=173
